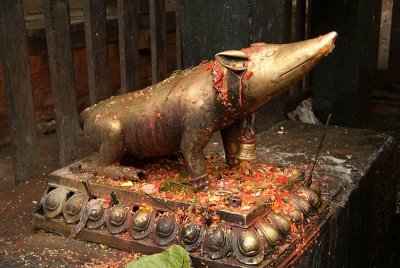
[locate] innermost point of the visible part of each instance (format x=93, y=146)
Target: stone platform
x=357, y=175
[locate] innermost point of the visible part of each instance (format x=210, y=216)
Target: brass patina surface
x=183, y=111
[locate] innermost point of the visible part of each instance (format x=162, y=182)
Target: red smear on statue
x=218, y=77
x=209, y=66
x=248, y=74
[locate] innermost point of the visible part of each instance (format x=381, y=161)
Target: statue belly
x=153, y=136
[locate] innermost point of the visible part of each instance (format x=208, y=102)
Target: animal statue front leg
x=192, y=146
x=230, y=140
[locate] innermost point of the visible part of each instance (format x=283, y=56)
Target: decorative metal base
x=260, y=235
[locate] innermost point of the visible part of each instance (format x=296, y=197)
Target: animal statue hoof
x=231, y=160
x=200, y=182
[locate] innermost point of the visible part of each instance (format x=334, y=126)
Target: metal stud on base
x=54, y=202
x=165, y=230
x=238, y=238
x=217, y=242
x=117, y=219
x=141, y=222
x=73, y=208
x=247, y=246
x=97, y=217
x=191, y=235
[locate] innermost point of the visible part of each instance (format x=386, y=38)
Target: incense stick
x=321, y=143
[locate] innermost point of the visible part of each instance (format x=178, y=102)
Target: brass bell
x=247, y=145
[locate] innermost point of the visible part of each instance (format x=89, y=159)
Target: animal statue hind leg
x=111, y=146
x=112, y=142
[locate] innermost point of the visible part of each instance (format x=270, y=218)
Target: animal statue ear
x=234, y=60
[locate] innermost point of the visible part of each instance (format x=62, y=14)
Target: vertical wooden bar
x=342, y=82
x=300, y=31
x=58, y=36
x=270, y=21
x=300, y=20
x=309, y=5
x=376, y=28
x=209, y=27
x=18, y=89
x=394, y=51
x=178, y=32
x=308, y=79
x=158, y=40
x=273, y=18
x=94, y=12
x=128, y=44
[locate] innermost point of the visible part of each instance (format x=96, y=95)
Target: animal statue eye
x=270, y=53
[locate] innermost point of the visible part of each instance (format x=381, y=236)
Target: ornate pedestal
x=254, y=214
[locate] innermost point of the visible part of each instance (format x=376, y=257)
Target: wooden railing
x=16, y=71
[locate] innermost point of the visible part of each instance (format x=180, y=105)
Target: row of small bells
x=249, y=245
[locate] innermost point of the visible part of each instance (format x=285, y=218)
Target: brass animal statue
x=183, y=111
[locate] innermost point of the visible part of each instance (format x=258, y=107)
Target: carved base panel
x=260, y=216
